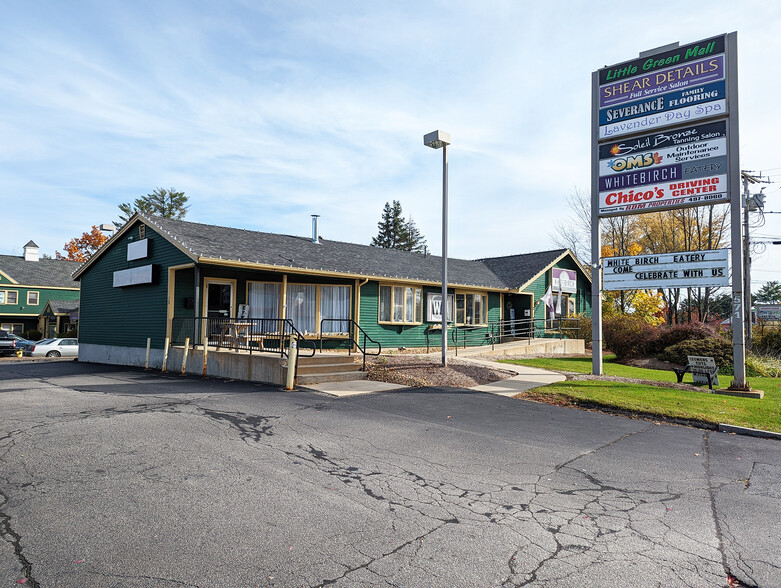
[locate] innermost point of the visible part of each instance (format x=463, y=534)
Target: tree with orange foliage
x=82, y=248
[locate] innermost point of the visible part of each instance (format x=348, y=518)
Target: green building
x=156, y=275
x=28, y=284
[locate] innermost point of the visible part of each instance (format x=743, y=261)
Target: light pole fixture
x=435, y=140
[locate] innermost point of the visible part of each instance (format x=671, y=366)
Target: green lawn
x=664, y=402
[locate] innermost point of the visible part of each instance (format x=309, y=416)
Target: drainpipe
x=197, y=303
x=358, y=308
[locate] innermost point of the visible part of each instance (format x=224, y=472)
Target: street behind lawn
x=113, y=476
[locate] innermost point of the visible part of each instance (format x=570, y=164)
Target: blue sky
x=266, y=112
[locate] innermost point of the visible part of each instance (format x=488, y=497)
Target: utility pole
x=747, y=179
x=750, y=204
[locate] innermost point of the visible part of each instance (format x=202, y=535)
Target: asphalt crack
x=732, y=580
x=8, y=533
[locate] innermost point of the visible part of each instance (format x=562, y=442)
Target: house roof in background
x=63, y=306
x=56, y=273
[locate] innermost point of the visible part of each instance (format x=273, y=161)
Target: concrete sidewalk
x=526, y=378
x=353, y=387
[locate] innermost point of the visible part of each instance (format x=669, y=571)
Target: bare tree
x=574, y=231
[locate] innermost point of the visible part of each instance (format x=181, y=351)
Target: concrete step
x=305, y=379
x=327, y=358
x=328, y=368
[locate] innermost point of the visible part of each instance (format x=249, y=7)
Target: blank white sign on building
x=686, y=269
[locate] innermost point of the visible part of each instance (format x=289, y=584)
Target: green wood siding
x=394, y=336
x=127, y=316
x=539, y=286
x=21, y=307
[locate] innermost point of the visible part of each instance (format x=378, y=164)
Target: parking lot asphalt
x=119, y=477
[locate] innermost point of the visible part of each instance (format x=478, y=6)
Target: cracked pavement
x=119, y=477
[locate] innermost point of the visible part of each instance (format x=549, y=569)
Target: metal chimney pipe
x=315, y=235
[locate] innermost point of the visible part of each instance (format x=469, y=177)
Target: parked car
x=54, y=348
x=7, y=343
x=22, y=343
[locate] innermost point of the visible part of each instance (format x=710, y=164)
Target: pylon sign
x=665, y=136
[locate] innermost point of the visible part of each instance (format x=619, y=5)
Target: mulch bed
x=420, y=370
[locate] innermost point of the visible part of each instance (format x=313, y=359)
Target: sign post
x=738, y=324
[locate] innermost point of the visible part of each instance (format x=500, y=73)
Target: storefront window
x=471, y=309
x=335, y=306
x=400, y=305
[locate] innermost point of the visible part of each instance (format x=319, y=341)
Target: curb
x=724, y=428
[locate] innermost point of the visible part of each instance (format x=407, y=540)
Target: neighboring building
x=155, y=273
x=28, y=283
x=59, y=316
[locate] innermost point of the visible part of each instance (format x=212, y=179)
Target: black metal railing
x=464, y=336
x=255, y=334
x=346, y=329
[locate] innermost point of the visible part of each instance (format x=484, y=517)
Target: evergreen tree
x=413, y=239
x=770, y=292
x=391, y=233
x=166, y=203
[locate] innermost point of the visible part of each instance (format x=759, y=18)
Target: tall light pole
x=435, y=140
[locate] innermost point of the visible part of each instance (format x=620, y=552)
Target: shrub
x=628, y=336
x=767, y=342
x=716, y=347
x=33, y=335
x=763, y=366
x=68, y=334
x=585, y=328
x=674, y=334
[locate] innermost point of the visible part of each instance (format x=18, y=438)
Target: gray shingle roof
x=45, y=272
x=516, y=270
x=64, y=306
x=287, y=251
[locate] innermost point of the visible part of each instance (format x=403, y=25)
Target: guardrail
x=271, y=335
x=464, y=336
x=350, y=325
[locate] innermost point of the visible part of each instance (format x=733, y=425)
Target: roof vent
x=31, y=251
x=315, y=234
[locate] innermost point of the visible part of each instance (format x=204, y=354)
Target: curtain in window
x=479, y=310
x=335, y=304
x=301, y=307
x=385, y=303
x=263, y=300
x=409, y=305
x=398, y=304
